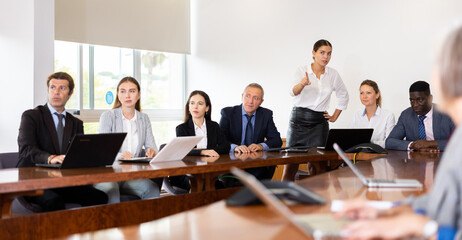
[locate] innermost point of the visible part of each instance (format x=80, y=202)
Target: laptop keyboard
x=382, y=180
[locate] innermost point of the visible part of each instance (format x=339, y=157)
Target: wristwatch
x=430, y=228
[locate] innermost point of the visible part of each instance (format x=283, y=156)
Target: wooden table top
x=217, y=221
x=37, y=178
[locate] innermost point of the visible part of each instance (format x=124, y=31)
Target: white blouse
x=382, y=122
x=201, y=131
x=316, y=96
x=131, y=140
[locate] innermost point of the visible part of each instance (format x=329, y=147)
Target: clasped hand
x=251, y=148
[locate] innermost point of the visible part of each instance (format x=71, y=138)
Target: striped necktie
x=422, y=134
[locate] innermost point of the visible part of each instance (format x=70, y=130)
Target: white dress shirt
x=131, y=140
x=316, y=96
x=428, y=123
x=382, y=122
x=201, y=131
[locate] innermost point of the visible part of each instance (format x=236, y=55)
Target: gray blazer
x=444, y=202
x=407, y=130
x=111, y=121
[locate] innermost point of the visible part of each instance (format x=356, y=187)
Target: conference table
x=204, y=170
x=218, y=221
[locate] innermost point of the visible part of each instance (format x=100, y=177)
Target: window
x=98, y=69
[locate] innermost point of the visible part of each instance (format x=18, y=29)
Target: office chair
x=174, y=190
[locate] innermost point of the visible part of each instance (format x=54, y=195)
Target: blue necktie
x=422, y=134
x=248, y=131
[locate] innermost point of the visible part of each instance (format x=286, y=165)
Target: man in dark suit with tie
x=44, y=135
x=250, y=128
x=421, y=127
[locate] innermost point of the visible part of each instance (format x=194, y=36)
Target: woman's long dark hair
x=208, y=114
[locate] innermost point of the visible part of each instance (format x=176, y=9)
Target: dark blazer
x=407, y=130
x=215, y=138
x=231, y=125
x=38, y=138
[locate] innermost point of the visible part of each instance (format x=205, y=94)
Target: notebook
x=176, y=149
x=316, y=225
x=90, y=150
x=347, y=137
x=371, y=182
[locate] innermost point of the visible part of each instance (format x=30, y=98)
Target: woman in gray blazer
x=126, y=116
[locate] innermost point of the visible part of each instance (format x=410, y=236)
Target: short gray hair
x=256, y=85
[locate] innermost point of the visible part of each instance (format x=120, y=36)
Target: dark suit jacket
x=215, y=138
x=407, y=130
x=38, y=139
x=231, y=125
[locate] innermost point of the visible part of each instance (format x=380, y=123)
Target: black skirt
x=307, y=128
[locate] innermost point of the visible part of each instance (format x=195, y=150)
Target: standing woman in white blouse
x=311, y=90
x=126, y=116
x=373, y=116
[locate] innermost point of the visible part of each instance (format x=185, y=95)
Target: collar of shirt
x=55, y=118
x=133, y=119
x=202, y=127
x=244, y=112
x=429, y=114
x=309, y=70
x=377, y=111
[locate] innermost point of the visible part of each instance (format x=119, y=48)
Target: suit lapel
x=210, y=134
x=48, y=119
x=119, y=125
x=139, y=127
x=436, y=123
x=238, y=120
x=67, y=133
x=258, y=124
x=414, y=134
x=190, y=128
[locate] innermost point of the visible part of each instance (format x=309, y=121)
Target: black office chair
x=174, y=190
x=20, y=205
x=9, y=160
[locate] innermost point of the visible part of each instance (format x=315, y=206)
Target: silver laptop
x=316, y=225
x=176, y=149
x=371, y=182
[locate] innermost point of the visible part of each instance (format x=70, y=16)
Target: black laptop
x=91, y=150
x=347, y=137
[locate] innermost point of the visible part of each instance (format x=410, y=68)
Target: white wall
x=26, y=59
x=238, y=42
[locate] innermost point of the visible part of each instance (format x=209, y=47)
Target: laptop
x=176, y=149
x=347, y=137
x=90, y=150
x=316, y=225
x=371, y=182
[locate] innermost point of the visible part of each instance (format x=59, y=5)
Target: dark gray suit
x=37, y=140
x=407, y=130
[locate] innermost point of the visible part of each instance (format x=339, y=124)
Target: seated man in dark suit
x=250, y=128
x=44, y=135
x=421, y=127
